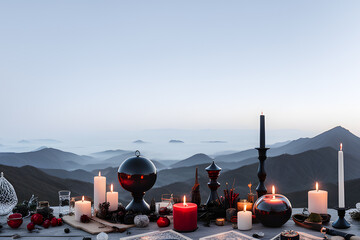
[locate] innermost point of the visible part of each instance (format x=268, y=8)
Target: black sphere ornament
x=137, y=175
x=273, y=210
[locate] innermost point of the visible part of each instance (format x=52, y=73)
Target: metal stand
x=261, y=189
x=341, y=223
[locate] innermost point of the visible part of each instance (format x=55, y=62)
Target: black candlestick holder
x=213, y=172
x=341, y=222
x=261, y=189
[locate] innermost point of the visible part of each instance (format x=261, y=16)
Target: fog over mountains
x=293, y=166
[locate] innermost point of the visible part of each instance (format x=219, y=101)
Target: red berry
x=54, y=222
x=59, y=221
x=37, y=218
x=46, y=223
x=30, y=226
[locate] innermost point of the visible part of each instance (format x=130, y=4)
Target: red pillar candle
x=185, y=216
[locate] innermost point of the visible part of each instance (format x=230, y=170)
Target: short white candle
x=244, y=219
x=112, y=198
x=341, y=178
x=99, y=190
x=82, y=207
x=317, y=201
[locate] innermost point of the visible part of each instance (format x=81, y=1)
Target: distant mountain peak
x=175, y=141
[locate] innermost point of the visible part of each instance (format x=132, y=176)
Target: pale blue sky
x=76, y=67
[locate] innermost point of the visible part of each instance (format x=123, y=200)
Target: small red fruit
x=54, y=222
x=15, y=220
x=46, y=223
x=30, y=227
x=37, y=218
x=59, y=221
x=163, y=221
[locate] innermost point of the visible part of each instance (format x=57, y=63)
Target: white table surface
x=58, y=232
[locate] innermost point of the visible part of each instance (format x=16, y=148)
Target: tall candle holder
x=341, y=222
x=213, y=171
x=261, y=189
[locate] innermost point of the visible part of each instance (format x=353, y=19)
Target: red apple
x=46, y=223
x=37, y=218
x=163, y=221
x=15, y=220
x=59, y=221
x=30, y=226
x=54, y=222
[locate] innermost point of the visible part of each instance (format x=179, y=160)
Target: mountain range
x=331, y=138
x=292, y=166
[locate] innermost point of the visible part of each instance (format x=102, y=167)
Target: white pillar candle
x=113, y=198
x=244, y=219
x=341, y=178
x=82, y=207
x=317, y=201
x=99, y=190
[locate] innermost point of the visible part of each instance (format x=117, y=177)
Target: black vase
x=137, y=175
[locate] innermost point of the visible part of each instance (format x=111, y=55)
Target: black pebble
x=66, y=230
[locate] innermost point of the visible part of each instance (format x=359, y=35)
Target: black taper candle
x=261, y=189
x=262, y=131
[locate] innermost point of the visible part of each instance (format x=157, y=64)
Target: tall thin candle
x=341, y=178
x=262, y=130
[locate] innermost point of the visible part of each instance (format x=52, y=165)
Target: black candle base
x=341, y=223
x=261, y=189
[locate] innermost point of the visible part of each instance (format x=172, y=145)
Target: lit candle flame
x=82, y=199
x=112, y=187
x=340, y=146
x=317, y=186
x=249, y=185
x=273, y=191
x=245, y=208
x=99, y=173
x=185, y=201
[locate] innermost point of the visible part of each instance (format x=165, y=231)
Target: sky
x=73, y=69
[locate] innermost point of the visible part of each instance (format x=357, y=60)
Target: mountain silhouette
x=331, y=138
x=110, y=153
x=45, y=158
x=28, y=180
x=196, y=159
